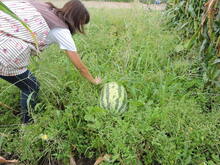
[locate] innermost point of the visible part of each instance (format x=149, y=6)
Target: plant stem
x=6, y=106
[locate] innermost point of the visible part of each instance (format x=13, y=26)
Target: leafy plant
x=198, y=25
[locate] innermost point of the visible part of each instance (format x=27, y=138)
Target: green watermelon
x=113, y=97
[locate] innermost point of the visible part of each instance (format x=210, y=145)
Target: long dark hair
x=74, y=14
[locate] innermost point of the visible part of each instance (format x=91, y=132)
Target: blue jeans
x=29, y=87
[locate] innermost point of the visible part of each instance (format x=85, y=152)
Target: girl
x=50, y=25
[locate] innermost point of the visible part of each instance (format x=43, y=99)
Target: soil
x=113, y=5
x=118, y=5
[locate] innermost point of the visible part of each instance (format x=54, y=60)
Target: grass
x=166, y=123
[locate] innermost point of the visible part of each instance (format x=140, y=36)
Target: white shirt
x=62, y=37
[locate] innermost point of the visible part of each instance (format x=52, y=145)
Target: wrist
x=92, y=81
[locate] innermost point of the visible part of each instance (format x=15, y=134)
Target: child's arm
x=76, y=60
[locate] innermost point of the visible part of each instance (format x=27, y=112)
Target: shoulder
x=63, y=37
x=60, y=33
x=60, y=30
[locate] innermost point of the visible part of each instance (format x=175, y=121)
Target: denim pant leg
x=29, y=87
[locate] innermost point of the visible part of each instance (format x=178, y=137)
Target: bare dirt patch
x=114, y=5
x=118, y=5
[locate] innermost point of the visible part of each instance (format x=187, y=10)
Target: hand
x=97, y=81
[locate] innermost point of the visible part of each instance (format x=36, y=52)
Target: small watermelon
x=113, y=97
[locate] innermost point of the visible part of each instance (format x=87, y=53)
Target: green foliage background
x=198, y=23
x=167, y=121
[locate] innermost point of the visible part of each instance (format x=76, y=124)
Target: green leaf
x=190, y=43
x=191, y=10
x=179, y=48
x=217, y=61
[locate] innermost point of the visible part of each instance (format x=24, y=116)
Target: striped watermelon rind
x=113, y=98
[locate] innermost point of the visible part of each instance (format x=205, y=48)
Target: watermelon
x=113, y=97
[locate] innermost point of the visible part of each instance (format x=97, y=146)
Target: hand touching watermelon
x=97, y=81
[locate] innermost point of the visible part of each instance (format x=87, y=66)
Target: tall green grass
x=166, y=122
